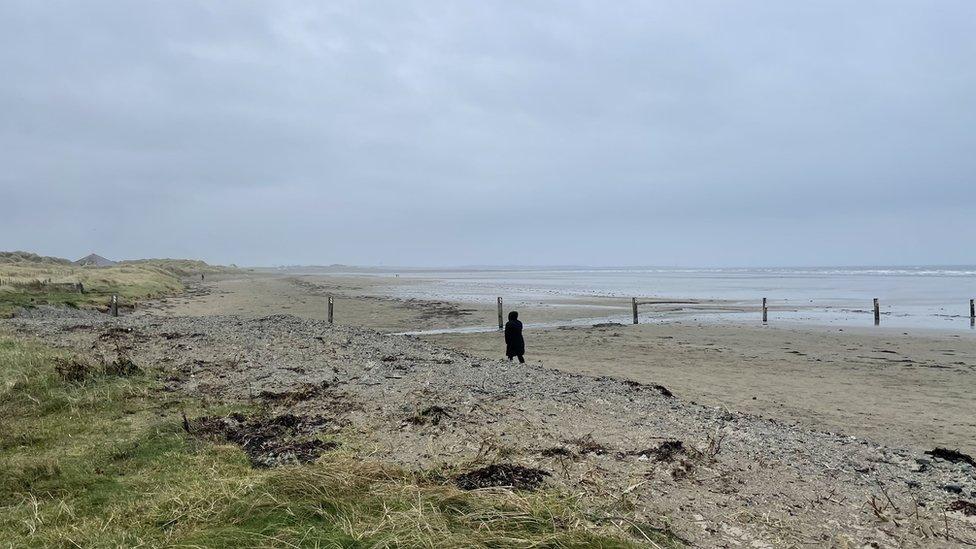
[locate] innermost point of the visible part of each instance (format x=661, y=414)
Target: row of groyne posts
x=765, y=312
x=114, y=310
x=877, y=311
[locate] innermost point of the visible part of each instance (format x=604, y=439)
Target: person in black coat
x=514, y=344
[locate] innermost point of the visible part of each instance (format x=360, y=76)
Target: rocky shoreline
x=714, y=477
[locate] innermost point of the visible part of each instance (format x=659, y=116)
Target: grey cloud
x=698, y=133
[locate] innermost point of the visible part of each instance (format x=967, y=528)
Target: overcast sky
x=450, y=133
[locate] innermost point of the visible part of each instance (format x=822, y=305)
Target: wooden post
x=765, y=310
x=501, y=322
x=115, y=305
x=972, y=309
x=633, y=305
x=331, y=308
x=877, y=312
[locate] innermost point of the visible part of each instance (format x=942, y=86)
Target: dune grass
x=179, y=267
x=31, y=284
x=104, y=461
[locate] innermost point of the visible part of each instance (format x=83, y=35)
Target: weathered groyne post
x=972, y=312
x=764, y=310
x=501, y=323
x=114, y=307
x=633, y=304
x=331, y=307
x=877, y=312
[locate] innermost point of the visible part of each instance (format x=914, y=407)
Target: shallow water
x=911, y=297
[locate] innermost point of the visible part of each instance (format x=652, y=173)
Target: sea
x=929, y=297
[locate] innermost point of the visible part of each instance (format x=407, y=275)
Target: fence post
x=972, y=312
x=633, y=304
x=501, y=324
x=765, y=310
x=877, y=312
x=331, y=307
x=115, y=305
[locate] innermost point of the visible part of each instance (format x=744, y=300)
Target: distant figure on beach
x=514, y=344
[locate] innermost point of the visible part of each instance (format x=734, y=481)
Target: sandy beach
x=906, y=390
x=911, y=388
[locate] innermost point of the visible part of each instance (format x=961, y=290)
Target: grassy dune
x=104, y=461
x=178, y=267
x=27, y=280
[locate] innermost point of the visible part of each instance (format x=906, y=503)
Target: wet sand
x=911, y=388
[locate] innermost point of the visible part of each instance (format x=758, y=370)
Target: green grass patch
x=104, y=461
x=31, y=284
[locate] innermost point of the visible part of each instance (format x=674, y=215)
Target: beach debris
x=952, y=456
x=587, y=445
x=502, y=475
x=952, y=488
x=178, y=335
x=967, y=508
x=122, y=365
x=665, y=451
x=682, y=469
x=607, y=325
x=77, y=370
x=267, y=440
x=665, y=392
x=114, y=332
x=436, y=310
x=557, y=452
x=431, y=415
x=73, y=369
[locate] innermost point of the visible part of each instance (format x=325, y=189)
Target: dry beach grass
x=102, y=460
